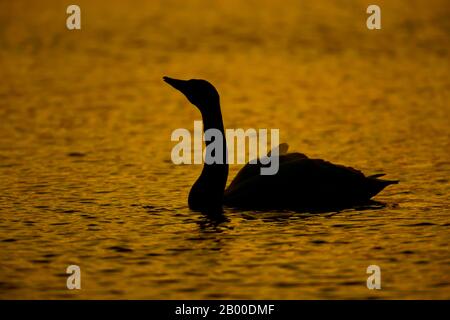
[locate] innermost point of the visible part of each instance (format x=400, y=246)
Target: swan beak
x=180, y=85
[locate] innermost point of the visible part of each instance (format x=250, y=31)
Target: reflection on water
x=85, y=147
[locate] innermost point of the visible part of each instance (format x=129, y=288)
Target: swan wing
x=254, y=170
x=301, y=181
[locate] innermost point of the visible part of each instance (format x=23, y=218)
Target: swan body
x=300, y=183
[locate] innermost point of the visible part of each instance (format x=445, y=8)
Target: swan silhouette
x=301, y=183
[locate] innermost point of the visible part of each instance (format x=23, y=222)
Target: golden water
x=85, y=169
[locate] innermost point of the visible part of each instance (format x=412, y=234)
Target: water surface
x=85, y=147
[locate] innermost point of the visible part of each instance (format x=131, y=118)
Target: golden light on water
x=85, y=147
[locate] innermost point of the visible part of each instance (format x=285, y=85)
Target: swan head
x=199, y=92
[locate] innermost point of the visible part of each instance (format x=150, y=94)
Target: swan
x=301, y=183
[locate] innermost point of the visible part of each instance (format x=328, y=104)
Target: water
x=85, y=147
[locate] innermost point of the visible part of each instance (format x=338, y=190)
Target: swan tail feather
x=389, y=182
x=378, y=175
x=282, y=149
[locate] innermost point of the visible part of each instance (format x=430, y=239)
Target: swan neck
x=213, y=120
x=207, y=192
